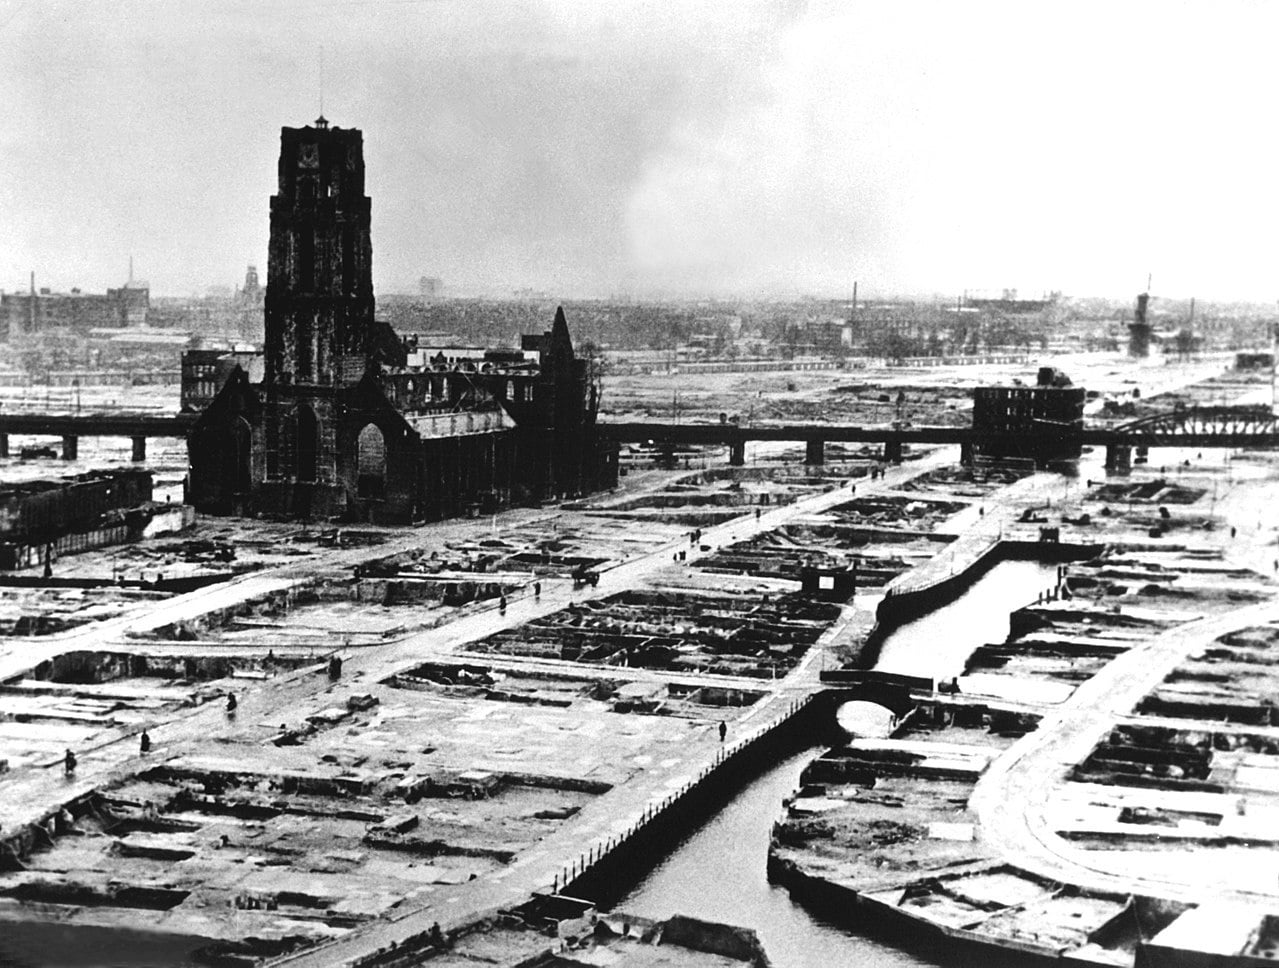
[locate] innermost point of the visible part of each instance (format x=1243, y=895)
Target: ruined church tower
x=319, y=311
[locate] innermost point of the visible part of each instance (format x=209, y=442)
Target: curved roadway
x=1011, y=798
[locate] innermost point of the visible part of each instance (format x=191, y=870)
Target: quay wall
x=606, y=872
x=889, y=923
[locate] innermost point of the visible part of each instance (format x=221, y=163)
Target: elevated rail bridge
x=1238, y=427
x=72, y=426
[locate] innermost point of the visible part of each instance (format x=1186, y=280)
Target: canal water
x=718, y=873
x=44, y=945
x=939, y=643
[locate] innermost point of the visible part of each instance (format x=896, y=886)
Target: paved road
x=1012, y=798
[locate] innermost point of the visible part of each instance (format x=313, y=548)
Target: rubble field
x=726, y=635
x=468, y=682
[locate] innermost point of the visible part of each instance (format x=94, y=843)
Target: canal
x=718, y=873
x=32, y=944
x=939, y=643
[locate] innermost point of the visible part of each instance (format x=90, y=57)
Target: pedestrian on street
x=68, y=763
x=231, y=702
x=145, y=743
x=723, y=730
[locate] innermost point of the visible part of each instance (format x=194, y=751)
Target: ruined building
x=340, y=428
x=1042, y=422
x=1140, y=330
x=42, y=518
x=33, y=313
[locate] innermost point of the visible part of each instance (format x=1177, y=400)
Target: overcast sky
x=588, y=148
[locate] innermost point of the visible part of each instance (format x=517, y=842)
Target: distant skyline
x=582, y=149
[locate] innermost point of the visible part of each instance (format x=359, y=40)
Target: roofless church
x=340, y=428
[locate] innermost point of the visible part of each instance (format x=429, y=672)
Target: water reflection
x=719, y=874
x=27, y=944
x=939, y=643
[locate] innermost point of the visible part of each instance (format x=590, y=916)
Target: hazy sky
x=607, y=146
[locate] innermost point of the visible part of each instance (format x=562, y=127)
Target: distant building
x=340, y=426
x=1041, y=422
x=1009, y=304
x=222, y=312
x=432, y=287
x=1140, y=331
x=249, y=307
x=36, y=312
